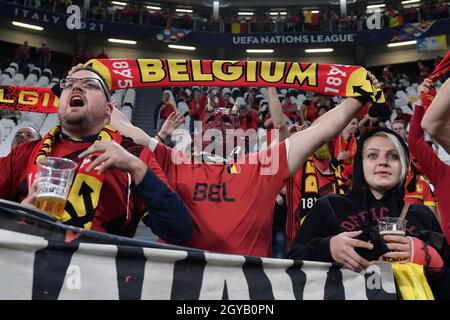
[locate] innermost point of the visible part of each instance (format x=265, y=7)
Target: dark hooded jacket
x=333, y=214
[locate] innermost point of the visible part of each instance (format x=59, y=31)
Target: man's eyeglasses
x=87, y=83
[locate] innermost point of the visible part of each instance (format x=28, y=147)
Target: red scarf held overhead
x=330, y=79
x=442, y=68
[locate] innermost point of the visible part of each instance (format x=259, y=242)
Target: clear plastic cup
x=53, y=181
x=392, y=225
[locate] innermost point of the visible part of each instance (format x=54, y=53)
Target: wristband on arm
x=159, y=138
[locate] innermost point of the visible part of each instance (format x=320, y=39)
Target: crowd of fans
x=338, y=161
x=302, y=108
x=262, y=20
x=299, y=107
x=42, y=56
x=335, y=160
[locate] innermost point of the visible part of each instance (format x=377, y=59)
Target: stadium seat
x=48, y=73
x=36, y=119
x=263, y=104
x=6, y=80
x=259, y=97
x=129, y=98
x=50, y=121
x=18, y=78
x=118, y=95
x=226, y=90
x=6, y=126
x=236, y=92
x=15, y=66
x=30, y=67
x=10, y=71
x=293, y=99
x=118, y=98
x=33, y=77
x=127, y=110
x=263, y=92
x=43, y=81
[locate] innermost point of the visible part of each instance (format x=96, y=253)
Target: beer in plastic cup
x=392, y=226
x=53, y=181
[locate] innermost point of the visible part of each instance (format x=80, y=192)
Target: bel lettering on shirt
x=212, y=192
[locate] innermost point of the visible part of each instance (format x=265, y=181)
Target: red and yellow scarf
x=329, y=79
x=309, y=193
x=442, y=68
x=80, y=205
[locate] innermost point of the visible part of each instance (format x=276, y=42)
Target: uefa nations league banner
x=148, y=33
x=43, y=259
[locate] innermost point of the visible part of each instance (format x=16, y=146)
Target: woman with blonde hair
x=331, y=228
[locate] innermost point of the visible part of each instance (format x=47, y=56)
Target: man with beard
x=231, y=200
x=116, y=181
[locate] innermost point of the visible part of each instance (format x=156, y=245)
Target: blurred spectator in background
x=423, y=70
x=165, y=108
x=279, y=226
x=441, y=10
x=196, y=106
x=102, y=55
x=345, y=150
x=130, y=14
x=289, y=109
x=425, y=12
x=61, y=5
x=399, y=127
x=334, y=19
x=21, y=56
x=79, y=56
x=24, y=135
x=44, y=56
x=99, y=11
x=352, y=21
x=411, y=15
x=403, y=116
x=309, y=110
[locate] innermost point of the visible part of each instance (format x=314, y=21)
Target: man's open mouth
x=76, y=101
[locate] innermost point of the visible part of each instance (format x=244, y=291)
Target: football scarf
x=80, y=206
x=309, y=193
x=442, y=68
x=329, y=79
